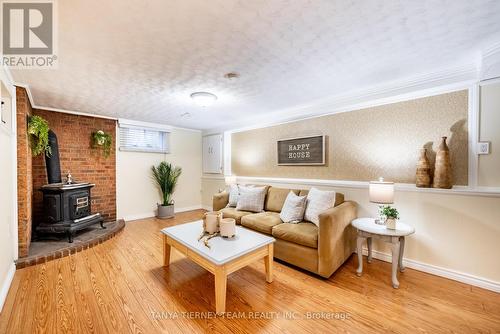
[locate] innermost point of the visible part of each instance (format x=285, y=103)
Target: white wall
x=8, y=177
x=137, y=195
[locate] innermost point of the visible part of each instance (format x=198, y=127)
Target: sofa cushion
x=303, y=233
x=276, y=198
x=233, y=213
x=339, y=197
x=262, y=222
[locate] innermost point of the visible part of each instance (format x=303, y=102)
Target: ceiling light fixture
x=203, y=99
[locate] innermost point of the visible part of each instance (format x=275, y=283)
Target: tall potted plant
x=165, y=176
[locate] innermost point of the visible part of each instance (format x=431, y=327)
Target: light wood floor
x=121, y=286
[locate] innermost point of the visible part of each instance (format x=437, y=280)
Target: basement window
x=139, y=139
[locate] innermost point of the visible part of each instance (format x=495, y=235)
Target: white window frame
x=123, y=124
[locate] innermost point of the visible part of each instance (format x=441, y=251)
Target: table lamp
x=229, y=180
x=381, y=192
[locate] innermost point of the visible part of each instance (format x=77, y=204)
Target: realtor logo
x=28, y=34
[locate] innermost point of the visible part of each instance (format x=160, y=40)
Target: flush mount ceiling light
x=203, y=99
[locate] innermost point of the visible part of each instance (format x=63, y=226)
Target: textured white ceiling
x=142, y=59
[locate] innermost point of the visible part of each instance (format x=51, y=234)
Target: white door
x=212, y=154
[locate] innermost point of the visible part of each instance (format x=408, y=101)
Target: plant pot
x=390, y=223
x=165, y=211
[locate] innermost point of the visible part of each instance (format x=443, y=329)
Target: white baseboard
x=152, y=214
x=6, y=285
x=207, y=207
x=189, y=208
x=439, y=271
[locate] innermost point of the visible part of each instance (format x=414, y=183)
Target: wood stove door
x=79, y=205
x=52, y=207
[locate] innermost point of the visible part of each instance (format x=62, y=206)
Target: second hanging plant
x=103, y=140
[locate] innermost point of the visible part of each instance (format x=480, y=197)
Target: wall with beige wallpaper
x=365, y=144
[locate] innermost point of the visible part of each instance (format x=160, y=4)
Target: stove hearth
x=66, y=206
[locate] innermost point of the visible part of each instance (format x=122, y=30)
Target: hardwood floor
x=120, y=286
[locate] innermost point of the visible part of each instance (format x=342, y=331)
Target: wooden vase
x=442, y=172
x=423, y=170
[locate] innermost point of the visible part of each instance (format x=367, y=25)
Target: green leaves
x=104, y=140
x=389, y=212
x=38, y=130
x=165, y=175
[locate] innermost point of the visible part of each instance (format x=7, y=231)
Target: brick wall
x=24, y=172
x=77, y=156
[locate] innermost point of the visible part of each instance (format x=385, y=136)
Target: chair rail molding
x=456, y=190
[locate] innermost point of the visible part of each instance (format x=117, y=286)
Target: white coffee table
x=367, y=229
x=224, y=255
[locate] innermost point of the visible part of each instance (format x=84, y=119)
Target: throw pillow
x=234, y=194
x=251, y=199
x=293, y=209
x=317, y=202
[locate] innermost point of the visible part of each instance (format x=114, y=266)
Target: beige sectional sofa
x=320, y=250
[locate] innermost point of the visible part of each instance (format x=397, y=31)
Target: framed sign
x=302, y=151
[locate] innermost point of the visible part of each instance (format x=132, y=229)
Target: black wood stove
x=66, y=206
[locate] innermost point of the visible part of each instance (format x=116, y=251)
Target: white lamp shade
x=381, y=192
x=230, y=180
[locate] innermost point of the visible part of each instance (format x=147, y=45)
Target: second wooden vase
x=423, y=170
x=442, y=172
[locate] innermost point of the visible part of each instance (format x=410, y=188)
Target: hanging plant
x=38, y=130
x=104, y=140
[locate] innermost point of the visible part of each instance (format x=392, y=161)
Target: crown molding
x=441, y=81
x=72, y=112
x=127, y=123
x=490, y=63
x=491, y=50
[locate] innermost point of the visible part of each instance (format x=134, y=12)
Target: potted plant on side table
x=165, y=176
x=390, y=214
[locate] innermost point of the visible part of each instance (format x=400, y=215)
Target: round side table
x=368, y=229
